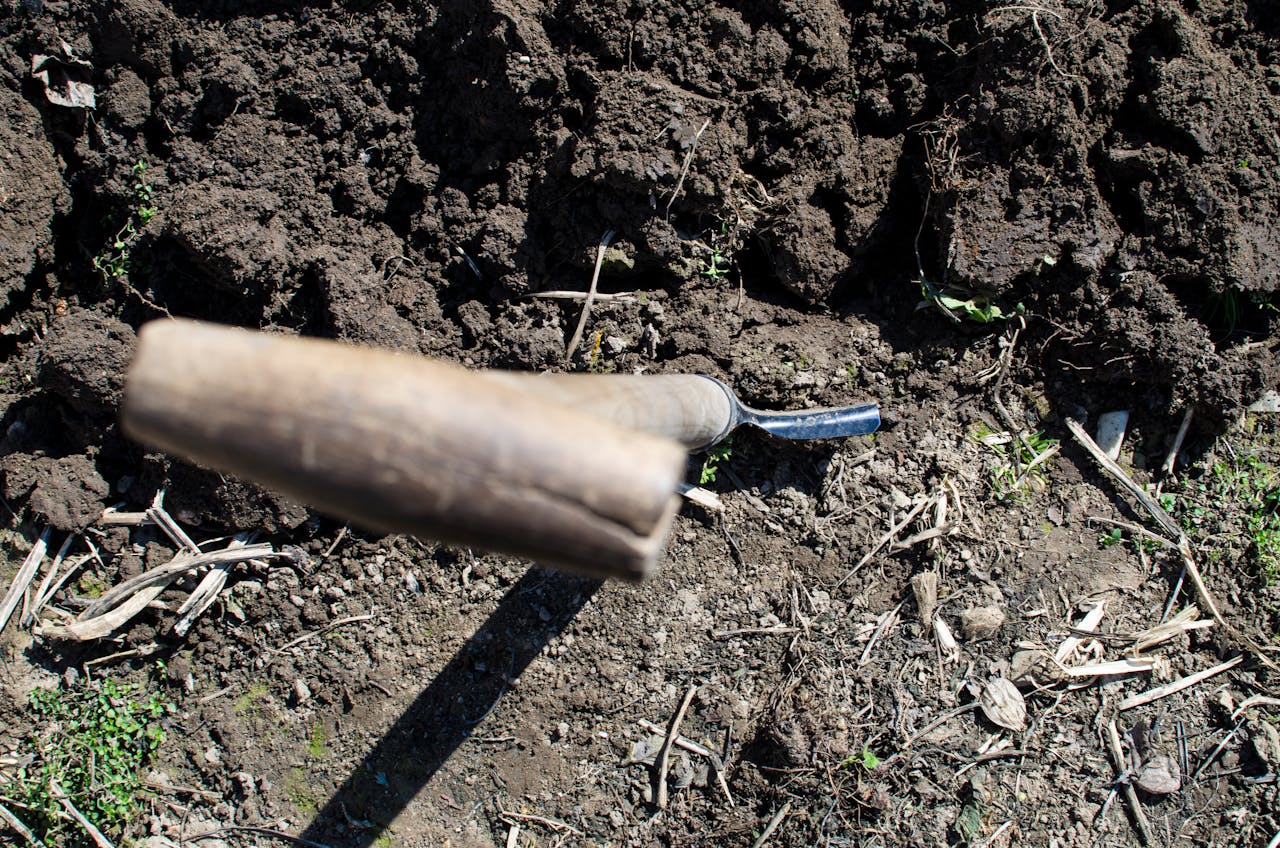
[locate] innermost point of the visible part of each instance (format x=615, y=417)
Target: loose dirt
x=988, y=218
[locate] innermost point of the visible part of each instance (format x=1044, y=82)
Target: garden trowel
x=696, y=410
x=575, y=471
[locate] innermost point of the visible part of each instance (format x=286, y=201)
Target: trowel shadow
x=447, y=712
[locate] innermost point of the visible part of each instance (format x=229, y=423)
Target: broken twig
x=1130, y=794
x=1178, y=685
x=15, y=824
x=23, y=578
x=94, y=834
x=590, y=298
x=663, y=762
x=772, y=825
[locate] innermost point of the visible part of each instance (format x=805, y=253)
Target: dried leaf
x=65, y=80
x=1002, y=703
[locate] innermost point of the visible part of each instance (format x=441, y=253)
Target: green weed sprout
x=1017, y=477
x=961, y=305
x=865, y=758
x=113, y=262
x=711, y=465
x=91, y=744
x=720, y=264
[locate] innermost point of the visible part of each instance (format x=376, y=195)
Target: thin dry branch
x=1130, y=795
x=601, y=297
x=246, y=828
x=663, y=762
x=30, y=610
x=1171, y=529
x=885, y=539
x=717, y=764
x=590, y=298
x=123, y=602
x=333, y=625
x=1178, y=685
x=94, y=834
x=554, y=824
x=772, y=825
x=1172, y=458
x=15, y=824
x=26, y=571
x=688, y=161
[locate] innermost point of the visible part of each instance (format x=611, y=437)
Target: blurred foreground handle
x=404, y=444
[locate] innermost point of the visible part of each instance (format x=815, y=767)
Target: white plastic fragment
x=1110, y=434
x=946, y=641
x=1269, y=402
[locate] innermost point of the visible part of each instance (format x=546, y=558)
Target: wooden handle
x=694, y=410
x=406, y=444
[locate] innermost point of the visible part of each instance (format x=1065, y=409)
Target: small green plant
x=719, y=265
x=249, y=701
x=318, y=741
x=961, y=305
x=865, y=758
x=1254, y=486
x=113, y=262
x=1246, y=493
x=1024, y=470
x=1111, y=537
x=711, y=465
x=88, y=744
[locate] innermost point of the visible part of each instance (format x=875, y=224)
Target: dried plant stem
x=1172, y=530
x=15, y=824
x=772, y=825
x=1178, y=685
x=1130, y=794
x=23, y=578
x=94, y=834
x=662, y=764
x=688, y=161
x=590, y=298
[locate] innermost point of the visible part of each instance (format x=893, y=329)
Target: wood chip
x=702, y=497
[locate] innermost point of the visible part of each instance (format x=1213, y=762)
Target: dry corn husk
x=1003, y=704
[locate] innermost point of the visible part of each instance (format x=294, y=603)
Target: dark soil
x=791, y=186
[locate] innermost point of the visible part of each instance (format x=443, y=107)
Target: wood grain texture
x=691, y=409
x=400, y=443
